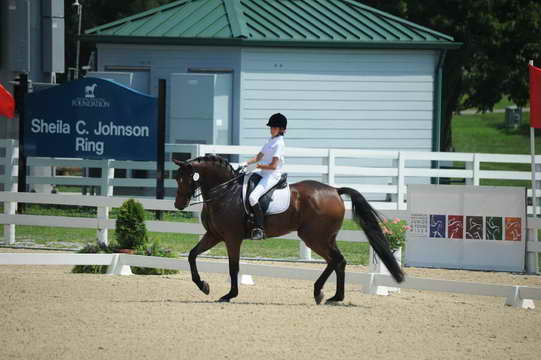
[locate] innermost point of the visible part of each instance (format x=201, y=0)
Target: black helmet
x=277, y=120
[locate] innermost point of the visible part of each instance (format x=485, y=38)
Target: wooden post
x=23, y=84
x=10, y=207
x=532, y=261
x=160, y=161
x=107, y=175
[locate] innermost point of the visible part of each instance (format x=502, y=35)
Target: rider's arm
x=255, y=159
x=272, y=166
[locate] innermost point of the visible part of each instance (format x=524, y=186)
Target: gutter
x=242, y=42
x=437, y=111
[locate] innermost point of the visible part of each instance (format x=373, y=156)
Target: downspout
x=437, y=110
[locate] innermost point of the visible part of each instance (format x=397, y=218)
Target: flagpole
x=532, y=149
x=532, y=262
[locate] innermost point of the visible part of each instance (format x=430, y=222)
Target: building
x=346, y=75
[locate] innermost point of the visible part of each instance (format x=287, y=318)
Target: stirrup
x=258, y=234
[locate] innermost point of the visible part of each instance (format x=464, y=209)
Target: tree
x=499, y=38
x=95, y=13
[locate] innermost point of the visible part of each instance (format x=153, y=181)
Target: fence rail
x=371, y=283
x=388, y=178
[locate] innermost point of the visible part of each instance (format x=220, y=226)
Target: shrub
x=155, y=249
x=93, y=269
x=131, y=231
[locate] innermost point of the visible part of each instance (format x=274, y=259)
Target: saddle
x=264, y=200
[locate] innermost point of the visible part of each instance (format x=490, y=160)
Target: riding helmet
x=277, y=120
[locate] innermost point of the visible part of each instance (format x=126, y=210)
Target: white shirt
x=273, y=148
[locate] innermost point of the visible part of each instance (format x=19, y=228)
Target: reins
x=214, y=189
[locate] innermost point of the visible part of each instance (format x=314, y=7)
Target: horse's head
x=205, y=172
x=187, y=183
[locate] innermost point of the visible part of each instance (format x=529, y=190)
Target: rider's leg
x=258, y=232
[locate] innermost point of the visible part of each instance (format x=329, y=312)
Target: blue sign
x=93, y=119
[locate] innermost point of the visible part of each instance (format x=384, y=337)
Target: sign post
x=21, y=98
x=160, y=164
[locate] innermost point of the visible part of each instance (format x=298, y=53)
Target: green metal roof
x=300, y=23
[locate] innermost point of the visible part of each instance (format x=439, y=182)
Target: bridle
x=215, y=192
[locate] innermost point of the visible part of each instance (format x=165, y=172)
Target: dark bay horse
x=316, y=212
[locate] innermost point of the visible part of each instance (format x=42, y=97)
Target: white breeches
x=268, y=180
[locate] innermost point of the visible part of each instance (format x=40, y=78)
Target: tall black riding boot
x=258, y=232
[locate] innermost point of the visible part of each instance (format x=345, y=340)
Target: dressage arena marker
x=119, y=264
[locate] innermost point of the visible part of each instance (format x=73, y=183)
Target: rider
x=270, y=161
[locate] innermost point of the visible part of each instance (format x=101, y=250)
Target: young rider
x=270, y=161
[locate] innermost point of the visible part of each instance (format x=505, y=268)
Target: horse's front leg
x=233, y=252
x=207, y=242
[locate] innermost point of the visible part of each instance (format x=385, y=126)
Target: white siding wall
x=364, y=99
x=165, y=60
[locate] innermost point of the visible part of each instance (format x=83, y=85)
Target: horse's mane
x=220, y=161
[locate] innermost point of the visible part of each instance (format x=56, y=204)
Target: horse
x=316, y=212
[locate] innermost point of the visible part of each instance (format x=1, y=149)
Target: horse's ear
x=178, y=162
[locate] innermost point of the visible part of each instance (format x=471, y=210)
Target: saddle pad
x=279, y=203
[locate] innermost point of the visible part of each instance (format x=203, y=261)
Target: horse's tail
x=368, y=218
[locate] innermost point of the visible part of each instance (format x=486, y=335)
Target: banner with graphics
x=91, y=118
x=467, y=227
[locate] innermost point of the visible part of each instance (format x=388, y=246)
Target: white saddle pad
x=280, y=198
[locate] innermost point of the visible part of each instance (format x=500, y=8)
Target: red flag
x=535, y=97
x=7, y=103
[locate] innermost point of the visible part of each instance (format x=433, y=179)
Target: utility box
x=200, y=109
x=513, y=117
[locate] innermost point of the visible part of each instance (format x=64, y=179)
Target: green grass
x=179, y=244
x=486, y=133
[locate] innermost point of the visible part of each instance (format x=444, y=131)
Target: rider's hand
x=243, y=166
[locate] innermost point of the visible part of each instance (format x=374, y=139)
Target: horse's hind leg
x=340, y=268
x=328, y=251
x=203, y=245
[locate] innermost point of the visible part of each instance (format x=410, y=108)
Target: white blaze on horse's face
x=184, y=185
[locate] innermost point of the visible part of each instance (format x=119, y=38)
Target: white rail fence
x=390, y=176
x=398, y=166
x=118, y=264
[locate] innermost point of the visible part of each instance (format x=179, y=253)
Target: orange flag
x=535, y=97
x=7, y=103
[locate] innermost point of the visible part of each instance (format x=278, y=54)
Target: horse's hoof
x=224, y=299
x=319, y=297
x=205, y=287
x=333, y=300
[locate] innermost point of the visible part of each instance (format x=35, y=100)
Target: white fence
x=404, y=166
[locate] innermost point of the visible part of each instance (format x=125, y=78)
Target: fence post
x=401, y=182
x=10, y=170
x=476, y=169
x=532, y=263
x=469, y=165
x=399, y=164
x=107, y=176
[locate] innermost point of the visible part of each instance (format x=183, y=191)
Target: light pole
x=79, y=16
